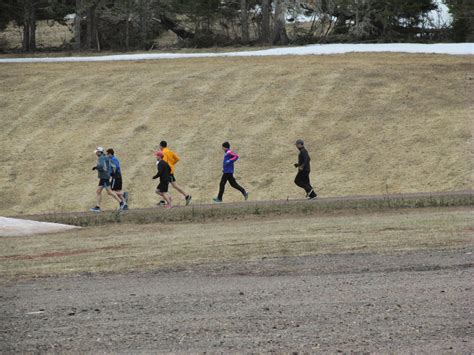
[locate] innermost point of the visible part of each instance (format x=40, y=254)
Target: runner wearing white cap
x=103, y=172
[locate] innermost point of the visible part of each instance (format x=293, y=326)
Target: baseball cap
x=300, y=141
x=159, y=154
x=99, y=149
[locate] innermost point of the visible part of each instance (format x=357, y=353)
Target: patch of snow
x=443, y=13
x=70, y=17
x=304, y=18
x=15, y=227
x=440, y=18
x=314, y=49
x=35, y=312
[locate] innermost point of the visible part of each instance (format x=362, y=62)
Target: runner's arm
x=160, y=171
x=232, y=156
x=175, y=157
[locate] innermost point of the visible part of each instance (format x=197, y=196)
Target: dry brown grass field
x=373, y=123
x=132, y=247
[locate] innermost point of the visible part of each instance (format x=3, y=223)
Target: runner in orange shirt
x=172, y=158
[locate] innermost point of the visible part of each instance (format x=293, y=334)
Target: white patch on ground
x=14, y=227
x=314, y=49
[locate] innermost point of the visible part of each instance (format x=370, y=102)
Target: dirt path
x=418, y=301
x=202, y=212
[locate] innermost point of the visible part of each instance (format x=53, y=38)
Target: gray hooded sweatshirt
x=103, y=167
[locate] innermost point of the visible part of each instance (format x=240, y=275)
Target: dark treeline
x=135, y=24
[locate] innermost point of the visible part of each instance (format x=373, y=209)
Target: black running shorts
x=116, y=183
x=105, y=183
x=162, y=187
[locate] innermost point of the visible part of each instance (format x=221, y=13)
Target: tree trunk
x=143, y=24
x=169, y=24
x=26, y=28
x=244, y=21
x=89, y=28
x=97, y=42
x=127, y=27
x=279, y=30
x=127, y=35
x=26, y=37
x=95, y=32
x=357, y=14
x=33, y=27
x=77, y=26
x=266, y=21
x=29, y=26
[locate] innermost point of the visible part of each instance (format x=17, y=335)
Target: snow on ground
x=314, y=49
x=14, y=227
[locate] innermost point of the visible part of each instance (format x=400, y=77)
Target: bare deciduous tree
x=244, y=21
x=266, y=21
x=279, y=30
x=77, y=25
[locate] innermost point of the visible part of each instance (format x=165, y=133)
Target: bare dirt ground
x=397, y=280
x=414, y=301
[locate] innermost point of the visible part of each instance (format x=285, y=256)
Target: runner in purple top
x=228, y=173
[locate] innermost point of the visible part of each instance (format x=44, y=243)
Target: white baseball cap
x=99, y=149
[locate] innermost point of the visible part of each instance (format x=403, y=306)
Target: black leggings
x=302, y=180
x=231, y=179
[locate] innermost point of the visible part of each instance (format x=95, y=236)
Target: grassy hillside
x=373, y=123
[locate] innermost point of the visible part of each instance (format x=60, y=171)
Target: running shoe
x=188, y=199
x=216, y=200
x=95, y=209
x=125, y=207
x=246, y=196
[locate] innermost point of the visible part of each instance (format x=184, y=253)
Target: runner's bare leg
x=99, y=195
x=114, y=195
x=177, y=188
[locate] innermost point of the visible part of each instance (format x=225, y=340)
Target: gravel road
x=418, y=301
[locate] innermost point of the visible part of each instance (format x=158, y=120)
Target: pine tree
x=463, y=19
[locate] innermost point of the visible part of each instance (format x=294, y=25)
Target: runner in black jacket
x=303, y=165
x=163, y=173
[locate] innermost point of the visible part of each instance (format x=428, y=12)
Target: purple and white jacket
x=229, y=159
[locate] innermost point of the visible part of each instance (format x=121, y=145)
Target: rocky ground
x=417, y=301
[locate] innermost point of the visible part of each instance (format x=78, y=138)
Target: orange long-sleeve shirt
x=170, y=157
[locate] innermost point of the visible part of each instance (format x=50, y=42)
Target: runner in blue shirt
x=116, y=177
